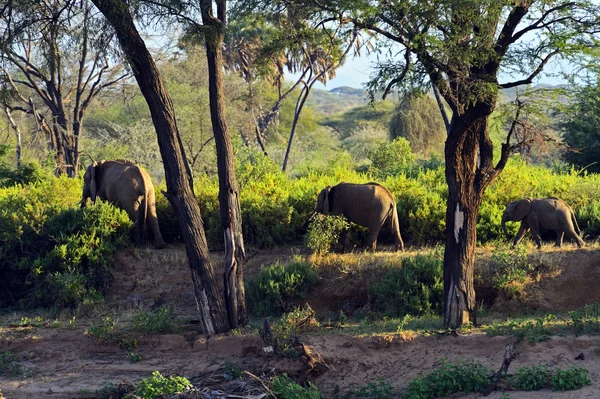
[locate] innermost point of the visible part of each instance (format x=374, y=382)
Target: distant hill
x=336, y=100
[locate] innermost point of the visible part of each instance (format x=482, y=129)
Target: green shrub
x=285, y=388
x=157, y=384
x=9, y=364
x=105, y=330
x=391, y=158
x=572, y=378
x=159, y=321
x=415, y=289
x=275, y=289
x=511, y=268
x=460, y=376
x=286, y=329
x=26, y=173
x=534, y=330
x=380, y=390
x=586, y=320
x=324, y=232
x=531, y=378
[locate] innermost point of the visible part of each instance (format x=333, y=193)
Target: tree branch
x=535, y=73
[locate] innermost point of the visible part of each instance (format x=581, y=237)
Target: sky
x=356, y=71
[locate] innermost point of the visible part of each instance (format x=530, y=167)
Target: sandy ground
x=65, y=363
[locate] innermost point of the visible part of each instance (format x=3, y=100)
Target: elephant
x=547, y=213
x=369, y=205
x=127, y=186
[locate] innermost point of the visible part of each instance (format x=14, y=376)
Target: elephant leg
x=559, y=239
x=345, y=241
x=522, y=230
x=372, y=244
x=535, y=231
x=158, y=240
x=137, y=236
x=575, y=236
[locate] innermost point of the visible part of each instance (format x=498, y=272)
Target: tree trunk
x=231, y=218
x=179, y=182
x=466, y=178
x=17, y=133
x=299, y=105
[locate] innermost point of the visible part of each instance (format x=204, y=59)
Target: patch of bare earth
x=64, y=363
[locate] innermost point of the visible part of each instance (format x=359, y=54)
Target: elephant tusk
x=309, y=220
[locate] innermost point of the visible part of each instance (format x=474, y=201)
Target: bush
x=531, y=378
x=586, y=320
x=381, y=390
x=157, y=384
x=572, y=378
x=414, y=289
x=511, y=269
x=324, y=232
x=391, y=158
x=53, y=253
x=278, y=286
x=449, y=378
x=159, y=321
x=285, y=388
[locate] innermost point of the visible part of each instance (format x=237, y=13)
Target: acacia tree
x=56, y=52
x=179, y=179
x=464, y=47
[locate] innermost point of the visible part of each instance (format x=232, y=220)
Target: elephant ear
x=522, y=209
x=327, y=206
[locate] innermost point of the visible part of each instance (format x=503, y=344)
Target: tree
x=582, y=128
x=179, y=179
x=58, y=53
x=463, y=47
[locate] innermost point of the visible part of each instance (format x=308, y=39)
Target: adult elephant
x=369, y=205
x=542, y=213
x=127, y=186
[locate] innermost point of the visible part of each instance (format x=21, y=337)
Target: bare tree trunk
x=299, y=105
x=17, y=133
x=440, y=103
x=468, y=157
x=179, y=181
x=231, y=217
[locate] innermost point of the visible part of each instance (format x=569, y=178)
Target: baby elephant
x=545, y=213
x=369, y=205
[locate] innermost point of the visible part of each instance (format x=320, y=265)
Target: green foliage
x=586, y=320
x=157, y=384
x=159, y=321
x=9, y=364
x=418, y=120
x=390, y=159
x=105, y=330
x=531, y=378
x=511, y=268
x=232, y=371
x=380, y=390
x=11, y=175
x=415, y=289
x=278, y=286
x=134, y=357
x=572, y=378
x=582, y=128
x=286, y=329
x=324, y=232
x=534, y=330
x=285, y=388
x=53, y=253
x=460, y=376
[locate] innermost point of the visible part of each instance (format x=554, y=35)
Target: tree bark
x=467, y=161
x=231, y=217
x=179, y=181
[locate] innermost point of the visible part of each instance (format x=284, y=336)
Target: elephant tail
x=396, y=227
x=577, y=229
x=143, y=216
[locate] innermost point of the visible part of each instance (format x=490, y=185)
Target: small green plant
x=531, y=378
x=287, y=328
x=278, y=286
x=157, y=384
x=460, y=376
x=511, y=268
x=324, y=232
x=572, y=378
x=111, y=390
x=9, y=364
x=417, y=288
x=534, y=330
x=159, y=321
x=104, y=330
x=232, y=371
x=285, y=388
x=380, y=390
x=586, y=320
x=134, y=357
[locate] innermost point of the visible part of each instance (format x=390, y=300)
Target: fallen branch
x=509, y=356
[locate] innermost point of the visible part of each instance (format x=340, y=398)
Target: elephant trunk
x=504, y=220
